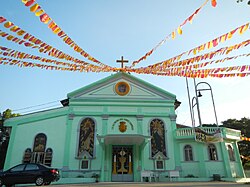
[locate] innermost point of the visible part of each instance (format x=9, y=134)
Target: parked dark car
x=29, y=173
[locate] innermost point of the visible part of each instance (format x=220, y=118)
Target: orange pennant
x=34, y=7
x=8, y=24
x=173, y=35
x=214, y=3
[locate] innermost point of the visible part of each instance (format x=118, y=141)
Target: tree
x=4, y=135
x=244, y=126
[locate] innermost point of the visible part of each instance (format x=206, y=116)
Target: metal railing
x=187, y=132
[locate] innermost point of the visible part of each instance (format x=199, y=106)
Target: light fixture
x=199, y=94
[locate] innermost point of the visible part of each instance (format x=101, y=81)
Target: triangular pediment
x=121, y=86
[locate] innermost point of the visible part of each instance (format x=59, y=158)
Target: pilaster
x=67, y=143
x=139, y=124
x=105, y=118
x=238, y=160
x=104, y=132
x=172, y=118
x=226, y=161
x=201, y=159
x=8, y=158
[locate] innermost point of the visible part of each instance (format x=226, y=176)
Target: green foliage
x=4, y=135
x=8, y=114
x=244, y=126
x=190, y=176
x=209, y=125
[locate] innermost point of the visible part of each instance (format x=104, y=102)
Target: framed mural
x=157, y=132
x=86, y=138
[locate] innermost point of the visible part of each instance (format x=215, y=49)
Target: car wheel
x=39, y=181
x=47, y=183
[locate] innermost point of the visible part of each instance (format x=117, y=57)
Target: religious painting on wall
x=86, y=138
x=40, y=143
x=122, y=88
x=157, y=133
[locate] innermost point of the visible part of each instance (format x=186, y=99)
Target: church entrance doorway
x=122, y=163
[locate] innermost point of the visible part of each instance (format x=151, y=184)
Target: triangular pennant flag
x=179, y=31
x=44, y=18
x=214, y=3
x=15, y=28
x=20, y=33
x=39, y=13
x=2, y=19
x=8, y=24
x=30, y=2
x=34, y=7
x=173, y=35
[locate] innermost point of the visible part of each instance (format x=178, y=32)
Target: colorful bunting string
x=171, y=67
x=46, y=19
x=21, y=55
x=187, y=71
x=42, y=49
x=213, y=43
x=208, y=45
x=193, y=75
x=202, y=65
x=222, y=51
x=187, y=62
x=33, y=41
x=19, y=63
x=245, y=157
x=173, y=33
x=245, y=138
x=229, y=75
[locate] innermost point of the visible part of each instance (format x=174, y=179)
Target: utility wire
x=36, y=105
x=39, y=109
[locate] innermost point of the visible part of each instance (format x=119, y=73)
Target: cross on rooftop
x=122, y=61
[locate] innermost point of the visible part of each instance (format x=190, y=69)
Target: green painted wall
x=23, y=135
x=99, y=101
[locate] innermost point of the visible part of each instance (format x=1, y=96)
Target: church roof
x=106, y=89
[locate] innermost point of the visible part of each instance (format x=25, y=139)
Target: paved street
x=172, y=184
x=175, y=184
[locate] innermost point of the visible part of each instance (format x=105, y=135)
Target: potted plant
x=96, y=176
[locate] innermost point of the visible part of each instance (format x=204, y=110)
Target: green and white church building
x=122, y=128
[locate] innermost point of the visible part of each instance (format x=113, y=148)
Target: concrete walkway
x=172, y=184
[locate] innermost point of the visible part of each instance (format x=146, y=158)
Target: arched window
x=39, y=148
x=230, y=153
x=188, y=153
x=40, y=143
x=27, y=156
x=86, y=138
x=212, y=152
x=48, y=157
x=157, y=132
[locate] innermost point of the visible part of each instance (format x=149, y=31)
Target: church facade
x=122, y=128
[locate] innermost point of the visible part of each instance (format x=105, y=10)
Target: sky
x=110, y=29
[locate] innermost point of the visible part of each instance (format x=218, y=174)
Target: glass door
x=122, y=163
